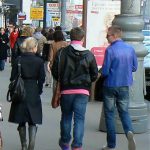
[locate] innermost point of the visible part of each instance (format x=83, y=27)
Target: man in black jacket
x=75, y=67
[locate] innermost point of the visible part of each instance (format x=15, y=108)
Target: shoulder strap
x=61, y=61
x=19, y=65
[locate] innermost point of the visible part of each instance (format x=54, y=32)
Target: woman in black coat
x=29, y=109
x=23, y=34
x=3, y=48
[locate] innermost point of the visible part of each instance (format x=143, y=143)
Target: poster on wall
x=100, y=15
x=36, y=13
x=74, y=15
x=52, y=14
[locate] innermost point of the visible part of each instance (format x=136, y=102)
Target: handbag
x=55, y=102
x=1, y=115
x=1, y=142
x=16, y=90
x=98, y=95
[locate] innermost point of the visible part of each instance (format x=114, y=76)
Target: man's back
x=78, y=68
x=119, y=63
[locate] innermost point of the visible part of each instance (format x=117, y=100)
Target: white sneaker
x=107, y=148
x=131, y=141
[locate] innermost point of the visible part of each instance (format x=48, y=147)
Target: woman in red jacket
x=12, y=39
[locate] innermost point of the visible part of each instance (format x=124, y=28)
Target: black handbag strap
x=19, y=66
x=60, y=60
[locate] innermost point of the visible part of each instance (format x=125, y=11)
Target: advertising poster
x=74, y=15
x=100, y=15
x=52, y=14
x=36, y=13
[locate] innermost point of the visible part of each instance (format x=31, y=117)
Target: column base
x=139, y=117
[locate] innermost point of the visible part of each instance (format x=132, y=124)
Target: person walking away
x=57, y=44
x=59, y=28
x=119, y=63
x=25, y=32
x=45, y=55
x=77, y=70
x=41, y=40
x=3, y=48
x=12, y=40
x=29, y=109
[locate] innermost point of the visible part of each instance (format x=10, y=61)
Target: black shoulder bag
x=16, y=90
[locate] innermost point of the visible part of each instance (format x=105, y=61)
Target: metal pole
x=63, y=13
x=84, y=18
x=44, y=19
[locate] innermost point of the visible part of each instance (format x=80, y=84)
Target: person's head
x=50, y=37
x=44, y=32
x=38, y=29
x=51, y=30
x=16, y=29
x=2, y=30
x=58, y=28
x=77, y=34
x=58, y=36
x=29, y=45
x=27, y=31
x=114, y=33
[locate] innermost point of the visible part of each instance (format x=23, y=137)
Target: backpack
x=16, y=90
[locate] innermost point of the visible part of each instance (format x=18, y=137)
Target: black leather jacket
x=75, y=69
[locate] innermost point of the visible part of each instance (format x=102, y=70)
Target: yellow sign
x=36, y=13
x=56, y=19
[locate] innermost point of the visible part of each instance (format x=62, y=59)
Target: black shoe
x=46, y=85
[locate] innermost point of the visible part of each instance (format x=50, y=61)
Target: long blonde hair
x=28, y=44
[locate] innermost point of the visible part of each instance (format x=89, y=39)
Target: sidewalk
x=48, y=132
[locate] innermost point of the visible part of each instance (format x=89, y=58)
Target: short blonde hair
x=28, y=44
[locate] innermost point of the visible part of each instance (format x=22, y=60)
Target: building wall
x=1, y=17
x=15, y=2
x=26, y=4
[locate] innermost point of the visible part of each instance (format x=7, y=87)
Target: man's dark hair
x=77, y=34
x=49, y=36
x=58, y=28
x=58, y=36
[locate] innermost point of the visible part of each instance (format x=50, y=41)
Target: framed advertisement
x=51, y=10
x=100, y=15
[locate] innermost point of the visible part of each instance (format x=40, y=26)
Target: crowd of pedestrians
x=47, y=58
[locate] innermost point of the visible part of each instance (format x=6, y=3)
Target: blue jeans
x=117, y=97
x=73, y=106
x=2, y=65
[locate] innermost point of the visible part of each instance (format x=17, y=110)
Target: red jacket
x=12, y=38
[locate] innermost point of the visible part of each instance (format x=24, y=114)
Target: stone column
x=132, y=24
x=63, y=13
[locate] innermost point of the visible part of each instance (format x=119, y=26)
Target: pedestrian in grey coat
x=29, y=109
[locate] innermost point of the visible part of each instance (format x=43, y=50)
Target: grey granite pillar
x=63, y=13
x=132, y=24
